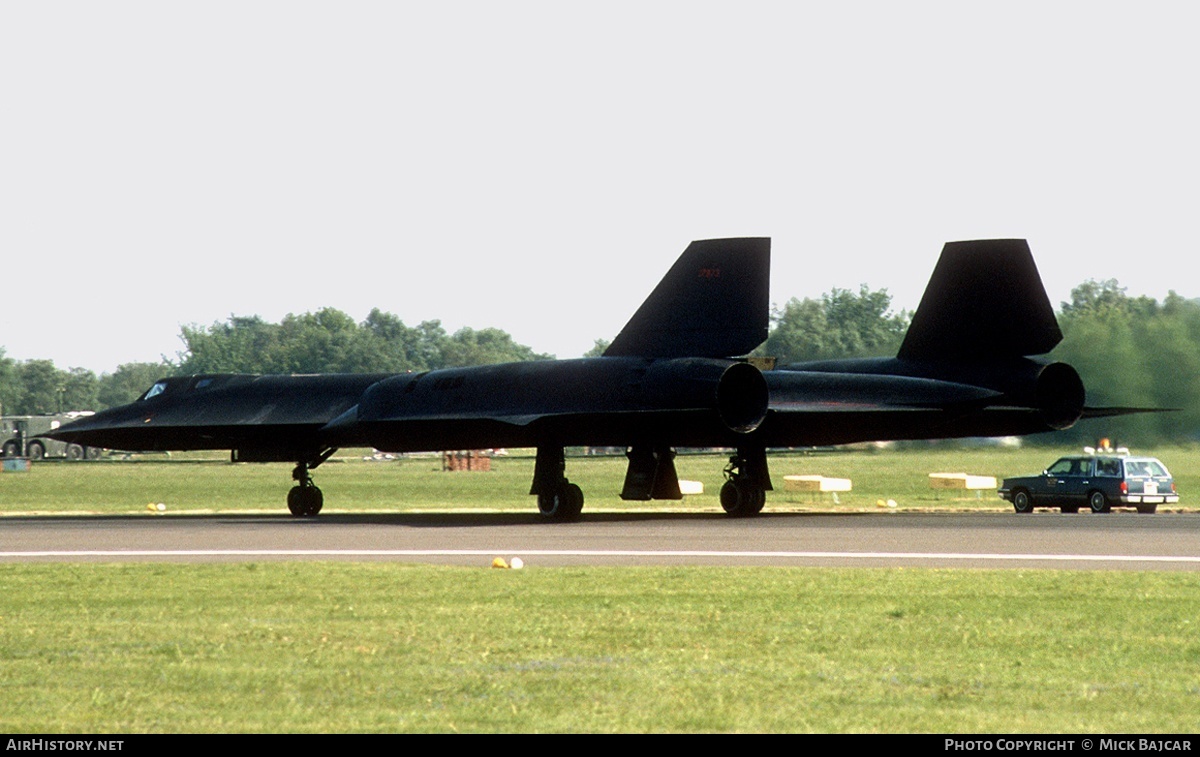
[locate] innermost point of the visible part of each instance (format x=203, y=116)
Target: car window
x=1068, y=467
x=1108, y=467
x=1143, y=468
x=1156, y=468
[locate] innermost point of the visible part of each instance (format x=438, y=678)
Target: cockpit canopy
x=180, y=384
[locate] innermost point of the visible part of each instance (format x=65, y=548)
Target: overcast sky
x=537, y=166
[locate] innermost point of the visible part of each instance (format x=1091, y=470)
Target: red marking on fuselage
x=709, y=273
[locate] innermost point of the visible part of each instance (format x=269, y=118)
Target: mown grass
x=207, y=483
x=337, y=647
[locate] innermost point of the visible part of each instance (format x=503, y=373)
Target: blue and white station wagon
x=1099, y=482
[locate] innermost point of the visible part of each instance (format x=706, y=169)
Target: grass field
x=345, y=647
x=208, y=483
x=312, y=647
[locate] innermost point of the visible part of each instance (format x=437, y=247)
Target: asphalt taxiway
x=1119, y=540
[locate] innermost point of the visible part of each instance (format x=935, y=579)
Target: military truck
x=21, y=436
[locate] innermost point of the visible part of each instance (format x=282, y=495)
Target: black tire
x=1098, y=502
x=74, y=452
x=573, y=504
x=740, y=499
x=93, y=453
x=305, y=501
x=35, y=451
x=564, y=503
x=1022, y=502
x=10, y=449
x=758, y=500
x=731, y=499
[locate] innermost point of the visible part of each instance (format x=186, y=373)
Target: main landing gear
x=305, y=499
x=747, y=482
x=558, y=499
x=651, y=475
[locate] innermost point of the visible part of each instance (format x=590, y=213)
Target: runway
x=1117, y=541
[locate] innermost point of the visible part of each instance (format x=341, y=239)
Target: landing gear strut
x=305, y=499
x=746, y=483
x=651, y=474
x=558, y=498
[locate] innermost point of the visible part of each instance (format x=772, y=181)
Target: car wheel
x=1098, y=502
x=1022, y=502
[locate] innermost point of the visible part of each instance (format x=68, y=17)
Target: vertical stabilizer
x=714, y=302
x=985, y=300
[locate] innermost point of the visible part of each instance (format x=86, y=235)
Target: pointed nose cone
x=105, y=429
x=73, y=432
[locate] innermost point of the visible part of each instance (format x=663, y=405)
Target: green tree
x=841, y=324
x=484, y=347
x=42, y=387
x=398, y=346
x=1134, y=352
x=128, y=382
x=79, y=390
x=329, y=341
x=430, y=346
x=1096, y=297
x=598, y=348
x=241, y=345
x=10, y=387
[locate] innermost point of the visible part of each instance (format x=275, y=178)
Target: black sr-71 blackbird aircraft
x=673, y=377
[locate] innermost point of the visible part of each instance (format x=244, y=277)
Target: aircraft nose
x=72, y=433
x=90, y=431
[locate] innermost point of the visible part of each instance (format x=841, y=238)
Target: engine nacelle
x=737, y=391
x=1053, y=389
x=612, y=401
x=1060, y=395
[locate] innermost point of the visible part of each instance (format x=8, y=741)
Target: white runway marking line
x=596, y=553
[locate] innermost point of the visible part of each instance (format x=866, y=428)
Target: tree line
x=1134, y=352
x=327, y=341
x=1130, y=352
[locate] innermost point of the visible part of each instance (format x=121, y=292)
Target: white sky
x=537, y=166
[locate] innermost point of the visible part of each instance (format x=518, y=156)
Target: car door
x=1108, y=476
x=1067, y=481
